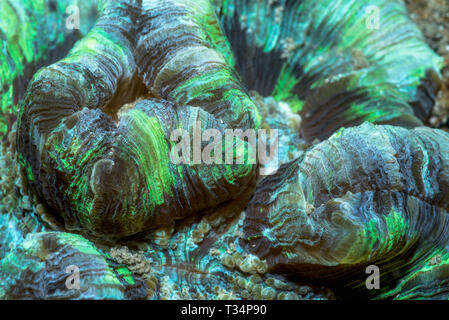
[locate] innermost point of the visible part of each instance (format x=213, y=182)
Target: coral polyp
x=89, y=180
x=369, y=195
x=115, y=177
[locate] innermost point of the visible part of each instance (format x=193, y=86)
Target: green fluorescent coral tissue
x=93, y=182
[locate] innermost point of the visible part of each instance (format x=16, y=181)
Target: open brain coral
x=88, y=178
